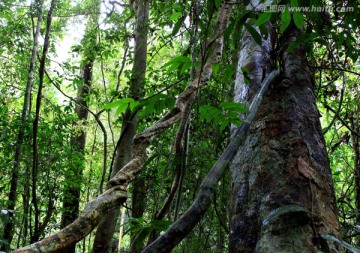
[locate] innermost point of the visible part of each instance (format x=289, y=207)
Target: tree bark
x=282, y=196
x=73, y=176
x=8, y=229
x=106, y=228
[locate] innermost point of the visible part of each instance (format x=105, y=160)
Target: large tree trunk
x=73, y=176
x=106, y=228
x=8, y=230
x=282, y=196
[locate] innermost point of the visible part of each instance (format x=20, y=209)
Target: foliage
x=178, y=32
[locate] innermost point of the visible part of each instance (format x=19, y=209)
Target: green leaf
x=122, y=105
x=3, y=109
x=217, y=4
x=161, y=225
x=263, y=18
x=112, y=105
x=264, y=31
x=224, y=124
x=178, y=59
x=286, y=19
x=246, y=74
x=256, y=36
x=229, y=30
x=298, y=19
x=215, y=68
x=176, y=62
x=155, y=105
x=185, y=67
x=140, y=238
x=233, y=106
x=173, y=67
x=245, y=70
x=121, y=108
x=177, y=26
x=243, y=17
x=175, y=16
x=208, y=112
x=177, y=7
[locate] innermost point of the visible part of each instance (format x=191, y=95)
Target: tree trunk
x=282, y=195
x=8, y=230
x=106, y=228
x=73, y=177
x=37, y=226
x=355, y=145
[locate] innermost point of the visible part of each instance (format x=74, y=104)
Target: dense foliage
x=177, y=32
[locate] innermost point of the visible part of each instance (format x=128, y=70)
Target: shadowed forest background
x=135, y=101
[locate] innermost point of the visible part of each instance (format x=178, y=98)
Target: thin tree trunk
x=106, y=228
x=73, y=176
x=8, y=230
x=355, y=145
x=121, y=232
x=282, y=196
x=37, y=231
x=182, y=166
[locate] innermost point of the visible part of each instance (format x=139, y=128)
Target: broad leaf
x=263, y=18
x=286, y=19
x=233, y=106
x=175, y=16
x=122, y=105
x=177, y=7
x=217, y=4
x=298, y=19
x=256, y=36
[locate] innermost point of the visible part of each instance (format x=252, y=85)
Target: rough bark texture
x=282, y=193
x=73, y=176
x=8, y=230
x=106, y=228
